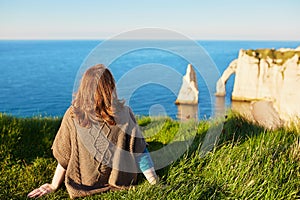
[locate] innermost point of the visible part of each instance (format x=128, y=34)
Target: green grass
x=248, y=162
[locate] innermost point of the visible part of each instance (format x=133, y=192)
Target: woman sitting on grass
x=99, y=146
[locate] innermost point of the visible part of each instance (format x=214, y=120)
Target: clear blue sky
x=198, y=19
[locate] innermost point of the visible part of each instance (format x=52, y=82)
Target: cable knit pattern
x=85, y=175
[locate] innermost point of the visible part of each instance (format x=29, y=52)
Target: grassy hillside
x=248, y=162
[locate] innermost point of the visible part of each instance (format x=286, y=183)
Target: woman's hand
x=151, y=176
x=41, y=191
x=47, y=188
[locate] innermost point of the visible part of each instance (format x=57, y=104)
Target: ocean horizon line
x=146, y=39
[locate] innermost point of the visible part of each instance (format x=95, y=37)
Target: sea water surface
x=37, y=76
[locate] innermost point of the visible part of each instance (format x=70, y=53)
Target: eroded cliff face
x=267, y=75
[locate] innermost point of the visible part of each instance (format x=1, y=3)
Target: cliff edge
x=266, y=75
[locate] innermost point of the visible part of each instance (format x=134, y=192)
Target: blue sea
x=38, y=77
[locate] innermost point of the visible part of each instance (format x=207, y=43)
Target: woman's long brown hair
x=96, y=98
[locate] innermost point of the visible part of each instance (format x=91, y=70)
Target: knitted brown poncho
x=89, y=155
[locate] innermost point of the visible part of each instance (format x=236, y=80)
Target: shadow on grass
x=237, y=130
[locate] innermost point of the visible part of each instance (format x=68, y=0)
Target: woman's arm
x=146, y=165
x=58, y=178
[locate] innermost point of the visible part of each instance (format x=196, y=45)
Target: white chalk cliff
x=188, y=93
x=268, y=75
